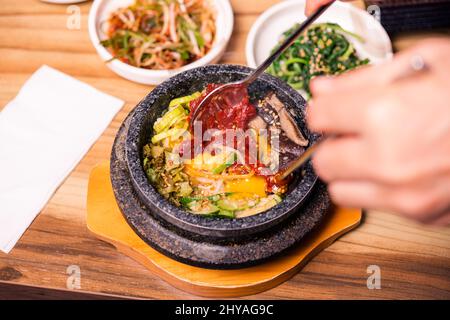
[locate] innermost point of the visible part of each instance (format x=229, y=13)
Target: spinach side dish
x=322, y=50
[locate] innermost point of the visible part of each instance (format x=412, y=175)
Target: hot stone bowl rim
x=220, y=227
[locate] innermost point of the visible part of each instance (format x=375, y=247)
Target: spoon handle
x=294, y=165
x=255, y=74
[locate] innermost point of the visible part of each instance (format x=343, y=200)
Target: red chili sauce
x=229, y=110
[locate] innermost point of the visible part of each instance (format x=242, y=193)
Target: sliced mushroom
x=257, y=123
x=284, y=148
x=286, y=121
x=290, y=128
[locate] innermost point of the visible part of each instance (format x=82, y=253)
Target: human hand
x=393, y=146
x=313, y=5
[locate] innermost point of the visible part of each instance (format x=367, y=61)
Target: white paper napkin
x=44, y=133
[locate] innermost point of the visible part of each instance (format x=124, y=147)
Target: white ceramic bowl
x=100, y=12
x=268, y=28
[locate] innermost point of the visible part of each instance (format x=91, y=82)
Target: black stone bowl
x=140, y=131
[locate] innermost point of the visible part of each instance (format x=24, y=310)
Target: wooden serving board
x=106, y=221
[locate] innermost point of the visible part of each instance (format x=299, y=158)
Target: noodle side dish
x=161, y=34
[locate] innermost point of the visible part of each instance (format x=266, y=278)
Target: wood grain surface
x=414, y=259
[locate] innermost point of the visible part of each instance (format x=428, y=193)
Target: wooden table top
x=414, y=259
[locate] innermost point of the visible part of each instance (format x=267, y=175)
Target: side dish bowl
x=141, y=122
x=100, y=12
x=267, y=29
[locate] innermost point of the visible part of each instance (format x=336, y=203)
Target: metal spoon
x=258, y=71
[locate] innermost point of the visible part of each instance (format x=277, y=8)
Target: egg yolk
x=254, y=184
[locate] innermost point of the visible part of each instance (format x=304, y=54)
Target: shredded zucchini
x=184, y=100
x=169, y=118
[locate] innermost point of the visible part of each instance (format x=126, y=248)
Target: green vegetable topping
x=230, y=160
x=322, y=50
